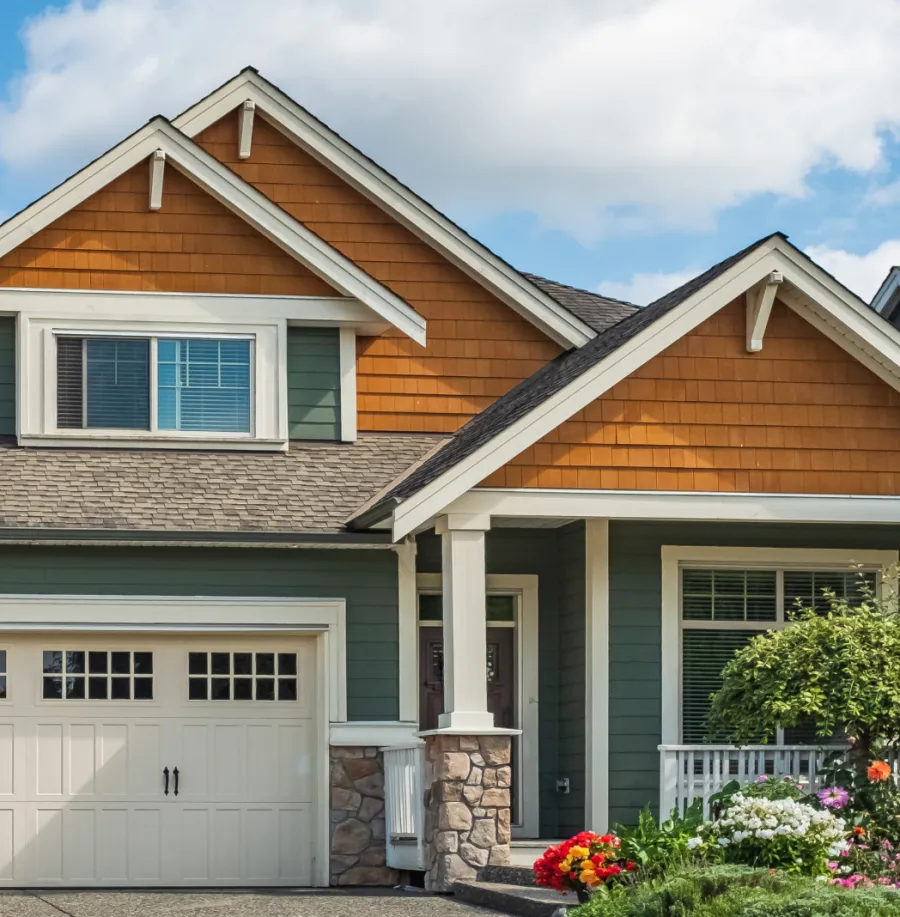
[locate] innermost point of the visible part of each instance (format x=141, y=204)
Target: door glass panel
x=97, y=675
x=499, y=608
x=242, y=676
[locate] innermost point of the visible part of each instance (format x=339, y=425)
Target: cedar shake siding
x=478, y=348
x=194, y=244
x=801, y=416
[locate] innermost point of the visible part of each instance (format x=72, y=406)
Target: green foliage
x=734, y=891
x=659, y=846
x=841, y=669
x=874, y=805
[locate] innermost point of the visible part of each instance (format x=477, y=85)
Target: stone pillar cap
x=452, y=731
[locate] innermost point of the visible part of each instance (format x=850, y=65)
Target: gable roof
x=308, y=491
x=229, y=189
x=598, y=311
x=487, y=269
x=574, y=379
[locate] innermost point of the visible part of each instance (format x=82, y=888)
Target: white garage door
x=157, y=761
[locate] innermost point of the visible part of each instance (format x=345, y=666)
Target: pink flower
x=834, y=797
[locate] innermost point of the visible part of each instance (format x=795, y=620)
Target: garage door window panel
x=219, y=676
x=97, y=675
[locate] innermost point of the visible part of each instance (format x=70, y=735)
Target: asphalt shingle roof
x=311, y=489
x=547, y=381
x=598, y=311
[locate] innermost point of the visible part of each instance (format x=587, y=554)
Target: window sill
x=127, y=440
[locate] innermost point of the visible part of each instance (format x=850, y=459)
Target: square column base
x=468, y=814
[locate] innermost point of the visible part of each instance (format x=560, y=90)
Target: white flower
x=694, y=842
x=723, y=841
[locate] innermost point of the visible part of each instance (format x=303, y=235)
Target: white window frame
x=676, y=557
x=525, y=588
x=37, y=377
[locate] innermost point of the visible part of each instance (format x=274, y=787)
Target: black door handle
x=175, y=775
x=166, y=775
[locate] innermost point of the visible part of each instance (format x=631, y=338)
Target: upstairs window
x=168, y=384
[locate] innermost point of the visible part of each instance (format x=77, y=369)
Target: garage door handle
x=175, y=775
x=166, y=776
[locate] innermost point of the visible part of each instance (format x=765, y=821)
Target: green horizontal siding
x=635, y=617
x=314, y=383
x=7, y=377
x=367, y=580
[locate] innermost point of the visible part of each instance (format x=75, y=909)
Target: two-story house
x=332, y=545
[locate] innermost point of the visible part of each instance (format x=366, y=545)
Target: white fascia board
x=589, y=386
x=138, y=305
x=680, y=506
x=470, y=256
x=232, y=192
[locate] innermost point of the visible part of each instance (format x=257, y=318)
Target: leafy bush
x=731, y=891
x=840, y=670
x=659, y=846
x=777, y=833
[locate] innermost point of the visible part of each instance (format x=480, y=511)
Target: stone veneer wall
x=357, y=818
x=467, y=807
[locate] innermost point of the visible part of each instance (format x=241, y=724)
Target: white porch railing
x=691, y=771
x=404, y=805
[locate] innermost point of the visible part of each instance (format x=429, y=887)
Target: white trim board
x=482, y=265
x=526, y=587
x=861, y=332
x=596, y=679
x=231, y=191
x=687, y=506
x=134, y=305
x=675, y=556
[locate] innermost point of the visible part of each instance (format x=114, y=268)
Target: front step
x=524, y=853
x=508, y=898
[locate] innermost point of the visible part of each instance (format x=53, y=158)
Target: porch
x=618, y=630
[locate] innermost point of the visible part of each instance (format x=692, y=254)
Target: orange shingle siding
x=477, y=348
x=112, y=241
x=802, y=416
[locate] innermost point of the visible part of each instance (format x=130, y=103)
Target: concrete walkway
x=313, y=903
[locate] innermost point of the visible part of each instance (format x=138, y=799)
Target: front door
x=500, y=672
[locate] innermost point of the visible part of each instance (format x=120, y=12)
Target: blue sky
x=618, y=145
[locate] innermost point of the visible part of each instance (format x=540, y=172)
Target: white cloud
x=861, y=273
x=645, y=288
x=593, y=115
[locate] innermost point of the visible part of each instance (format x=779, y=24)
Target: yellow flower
x=578, y=853
x=565, y=865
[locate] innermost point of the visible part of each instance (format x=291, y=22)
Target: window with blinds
x=723, y=609
x=202, y=384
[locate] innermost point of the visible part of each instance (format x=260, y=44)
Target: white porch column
x=465, y=623
x=597, y=674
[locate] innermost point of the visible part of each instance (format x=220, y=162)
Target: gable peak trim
x=326, y=145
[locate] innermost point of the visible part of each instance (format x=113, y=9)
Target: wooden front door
x=500, y=672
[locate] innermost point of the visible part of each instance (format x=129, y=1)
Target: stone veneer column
x=467, y=806
x=357, y=818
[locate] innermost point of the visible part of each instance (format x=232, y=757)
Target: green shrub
x=736, y=891
x=658, y=847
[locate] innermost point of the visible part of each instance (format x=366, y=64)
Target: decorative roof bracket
x=760, y=299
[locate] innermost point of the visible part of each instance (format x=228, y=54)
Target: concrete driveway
x=313, y=903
